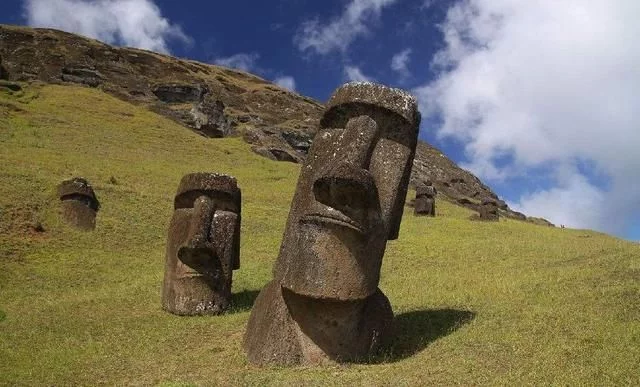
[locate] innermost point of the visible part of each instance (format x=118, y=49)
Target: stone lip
x=395, y=100
x=203, y=183
x=78, y=186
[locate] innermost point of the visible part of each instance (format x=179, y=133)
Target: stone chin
x=332, y=259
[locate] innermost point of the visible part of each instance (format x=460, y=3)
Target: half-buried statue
x=425, y=203
x=203, y=245
x=323, y=304
x=79, y=203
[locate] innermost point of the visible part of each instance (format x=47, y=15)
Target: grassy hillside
x=475, y=303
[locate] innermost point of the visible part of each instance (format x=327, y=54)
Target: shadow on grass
x=243, y=301
x=414, y=331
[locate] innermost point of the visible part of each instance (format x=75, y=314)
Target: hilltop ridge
x=212, y=100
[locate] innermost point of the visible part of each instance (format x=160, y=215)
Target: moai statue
x=203, y=246
x=488, y=210
x=79, y=203
x=425, y=203
x=323, y=304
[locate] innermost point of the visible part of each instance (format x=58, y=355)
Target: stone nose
x=346, y=184
x=197, y=248
x=358, y=141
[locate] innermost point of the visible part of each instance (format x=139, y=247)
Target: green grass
x=475, y=303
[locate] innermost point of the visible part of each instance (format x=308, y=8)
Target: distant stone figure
x=425, y=203
x=323, y=304
x=488, y=210
x=203, y=245
x=79, y=203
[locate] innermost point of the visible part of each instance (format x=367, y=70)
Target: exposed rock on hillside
x=213, y=101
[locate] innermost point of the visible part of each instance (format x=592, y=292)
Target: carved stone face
x=79, y=203
x=203, y=245
x=350, y=194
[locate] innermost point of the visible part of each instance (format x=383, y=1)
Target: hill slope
x=212, y=100
x=475, y=303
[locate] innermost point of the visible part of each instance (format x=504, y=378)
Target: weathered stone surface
x=425, y=203
x=324, y=304
x=79, y=203
x=179, y=93
x=209, y=118
x=89, y=77
x=3, y=71
x=203, y=245
x=488, y=211
x=269, y=142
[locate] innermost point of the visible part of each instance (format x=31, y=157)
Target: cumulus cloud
x=286, y=81
x=355, y=74
x=546, y=84
x=134, y=23
x=242, y=61
x=400, y=61
x=340, y=32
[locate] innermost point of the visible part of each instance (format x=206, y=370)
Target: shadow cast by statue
x=243, y=301
x=414, y=331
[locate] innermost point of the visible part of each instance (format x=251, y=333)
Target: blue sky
x=539, y=99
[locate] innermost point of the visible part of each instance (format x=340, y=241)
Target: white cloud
x=546, y=83
x=134, y=23
x=354, y=74
x=242, y=61
x=574, y=202
x=286, y=81
x=400, y=61
x=340, y=32
x=426, y=4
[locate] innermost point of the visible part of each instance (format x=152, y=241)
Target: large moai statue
x=203, y=246
x=323, y=304
x=425, y=203
x=488, y=211
x=79, y=203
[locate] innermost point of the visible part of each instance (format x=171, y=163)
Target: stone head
x=79, y=203
x=350, y=194
x=489, y=209
x=203, y=244
x=425, y=190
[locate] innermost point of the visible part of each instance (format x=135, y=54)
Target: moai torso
x=79, y=203
x=203, y=245
x=425, y=203
x=324, y=304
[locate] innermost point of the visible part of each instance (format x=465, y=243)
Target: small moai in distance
x=324, y=304
x=488, y=210
x=425, y=203
x=79, y=203
x=203, y=245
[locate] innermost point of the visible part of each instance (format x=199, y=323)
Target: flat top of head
x=203, y=181
x=211, y=184
x=395, y=100
x=76, y=186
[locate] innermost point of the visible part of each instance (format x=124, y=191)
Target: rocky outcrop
x=211, y=100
